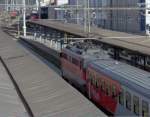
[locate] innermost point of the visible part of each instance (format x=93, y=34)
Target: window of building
x=128, y=100
x=121, y=97
x=136, y=105
x=108, y=88
x=145, y=109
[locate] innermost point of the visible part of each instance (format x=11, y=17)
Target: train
x=13, y=14
x=119, y=88
x=34, y=15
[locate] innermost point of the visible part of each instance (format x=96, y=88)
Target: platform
x=10, y=103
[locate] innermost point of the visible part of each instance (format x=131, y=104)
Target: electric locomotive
x=74, y=60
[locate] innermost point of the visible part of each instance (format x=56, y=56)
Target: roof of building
x=133, y=42
x=132, y=77
x=140, y=45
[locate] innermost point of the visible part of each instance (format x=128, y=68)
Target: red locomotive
x=119, y=88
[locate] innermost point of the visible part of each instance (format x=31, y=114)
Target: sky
x=62, y=2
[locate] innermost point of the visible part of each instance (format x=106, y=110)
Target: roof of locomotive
x=85, y=50
x=132, y=77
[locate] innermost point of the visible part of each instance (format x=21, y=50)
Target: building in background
x=47, y=2
x=61, y=14
x=147, y=14
x=98, y=18
x=47, y=10
x=2, y=7
x=132, y=21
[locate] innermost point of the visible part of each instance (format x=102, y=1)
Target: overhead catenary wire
x=80, y=7
x=87, y=10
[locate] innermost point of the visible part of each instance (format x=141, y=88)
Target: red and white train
x=121, y=89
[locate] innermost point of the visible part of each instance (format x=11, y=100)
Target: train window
x=128, y=100
x=113, y=90
x=88, y=75
x=75, y=61
x=96, y=84
x=81, y=64
x=136, y=105
x=103, y=85
x=94, y=79
x=64, y=55
x=108, y=88
x=145, y=109
x=99, y=82
x=121, y=97
x=91, y=77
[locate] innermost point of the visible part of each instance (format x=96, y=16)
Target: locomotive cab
x=75, y=59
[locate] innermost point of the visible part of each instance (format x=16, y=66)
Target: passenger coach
x=119, y=88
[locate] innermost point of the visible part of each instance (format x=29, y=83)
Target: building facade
x=132, y=21
x=99, y=18
x=147, y=17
